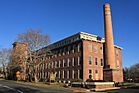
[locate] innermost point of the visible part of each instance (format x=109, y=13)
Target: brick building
x=83, y=56
x=19, y=58
x=80, y=56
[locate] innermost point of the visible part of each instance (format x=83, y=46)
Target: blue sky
x=62, y=18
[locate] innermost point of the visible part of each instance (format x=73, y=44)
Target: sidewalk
x=79, y=90
x=41, y=84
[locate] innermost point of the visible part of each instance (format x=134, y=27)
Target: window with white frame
x=95, y=48
x=59, y=74
x=55, y=64
x=68, y=62
x=73, y=61
x=79, y=60
x=79, y=45
x=63, y=74
x=68, y=74
x=90, y=47
x=73, y=74
x=46, y=65
x=78, y=74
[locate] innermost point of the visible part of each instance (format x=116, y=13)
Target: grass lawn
x=128, y=84
x=126, y=88
x=124, y=91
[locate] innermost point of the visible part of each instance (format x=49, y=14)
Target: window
x=63, y=74
x=96, y=71
x=78, y=74
x=101, y=50
x=52, y=64
x=46, y=65
x=56, y=74
x=90, y=47
x=48, y=74
x=73, y=74
x=67, y=74
x=90, y=76
x=55, y=55
x=116, y=52
x=59, y=74
x=64, y=63
x=68, y=62
x=60, y=52
x=101, y=60
x=117, y=63
x=79, y=45
x=90, y=60
x=55, y=64
x=78, y=60
x=96, y=61
x=45, y=74
x=90, y=71
x=69, y=48
x=64, y=51
x=59, y=63
x=73, y=61
x=95, y=48
x=73, y=49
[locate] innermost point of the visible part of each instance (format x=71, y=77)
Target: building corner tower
x=110, y=70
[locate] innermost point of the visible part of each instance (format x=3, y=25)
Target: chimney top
x=106, y=5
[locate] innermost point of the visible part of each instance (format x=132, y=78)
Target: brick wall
x=95, y=51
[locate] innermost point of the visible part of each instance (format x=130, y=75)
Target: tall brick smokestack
x=109, y=41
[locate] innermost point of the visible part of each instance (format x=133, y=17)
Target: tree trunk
x=35, y=77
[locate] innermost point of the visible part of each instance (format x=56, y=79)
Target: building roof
x=76, y=37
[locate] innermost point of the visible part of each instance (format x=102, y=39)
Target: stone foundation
x=94, y=85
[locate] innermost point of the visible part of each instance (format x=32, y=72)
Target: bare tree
x=131, y=73
x=35, y=40
x=134, y=69
x=5, y=58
